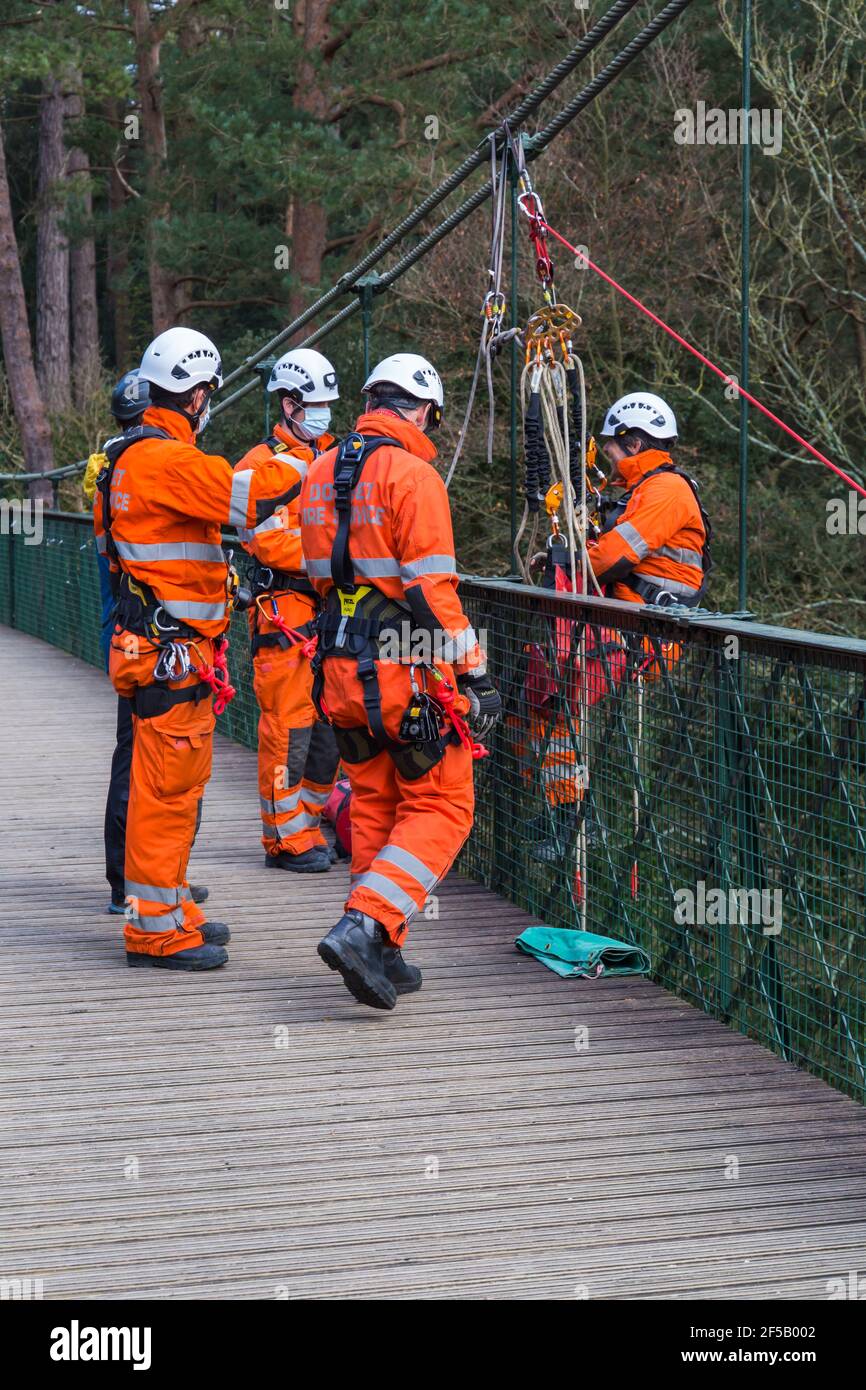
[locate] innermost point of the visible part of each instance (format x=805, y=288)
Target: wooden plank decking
x=157, y=1142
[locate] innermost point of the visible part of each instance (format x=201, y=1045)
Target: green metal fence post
x=264, y=370
x=368, y=286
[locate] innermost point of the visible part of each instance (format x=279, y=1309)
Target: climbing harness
x=662, y=592
x=139, y=611
x=355, y=620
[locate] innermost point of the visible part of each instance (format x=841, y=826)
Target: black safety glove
x=485, y=704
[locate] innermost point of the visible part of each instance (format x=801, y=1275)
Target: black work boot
x=198, y=892
x=215, y=933
x=312, y=861
x=193, y=958
x=405, y=978
x=356, y=947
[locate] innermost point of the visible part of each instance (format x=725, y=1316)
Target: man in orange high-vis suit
x=655, y=548
x=298, y=756
x=164, y=502
x=378, y=543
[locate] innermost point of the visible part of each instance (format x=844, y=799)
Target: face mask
x=316, y=421
x=204, y=417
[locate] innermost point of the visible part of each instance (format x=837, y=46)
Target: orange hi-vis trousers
x=171, y=765
x=405, y=833
x=298, y=757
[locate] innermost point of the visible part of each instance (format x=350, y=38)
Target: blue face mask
x=316, y=420
x=203, y=419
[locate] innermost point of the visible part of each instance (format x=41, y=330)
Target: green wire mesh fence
x=697, y=786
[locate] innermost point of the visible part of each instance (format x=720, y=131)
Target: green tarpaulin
x=582, y=952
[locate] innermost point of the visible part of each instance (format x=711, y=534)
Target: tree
x=52, y=253
x=18, y=349
x=82, y=260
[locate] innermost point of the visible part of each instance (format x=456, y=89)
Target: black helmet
x=130, y=397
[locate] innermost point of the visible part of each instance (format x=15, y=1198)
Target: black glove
x=485, y=705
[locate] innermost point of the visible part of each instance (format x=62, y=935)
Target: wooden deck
x=157, y=1142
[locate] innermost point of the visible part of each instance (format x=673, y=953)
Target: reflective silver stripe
x=378, y=883
x=160, y=923
x=672, y=585
x=459, y=646
x=367, y=569
x=244, y=534
x=314, y=798
x=319, y=569
x=683, y=557
x=559, y=772
x=374, y=569
x=101, y=545
x=203, y=612
x=410, y=864
x=303, y=564
x=239, y=503
x=299, y=465
x=431, y=564
x=151, y=893
x=634, y=538
x=271, y=523
x=286, y=803
x=295, y=823
x=166, y=921
x=167, y=550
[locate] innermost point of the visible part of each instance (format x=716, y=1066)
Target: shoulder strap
x=276, y=446
x=352, y=454
x=113, y=451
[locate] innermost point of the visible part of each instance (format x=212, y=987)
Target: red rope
x=726, y=378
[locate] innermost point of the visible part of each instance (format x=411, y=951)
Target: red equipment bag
x=336, y=812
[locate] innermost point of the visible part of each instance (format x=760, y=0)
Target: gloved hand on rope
x=485, y=703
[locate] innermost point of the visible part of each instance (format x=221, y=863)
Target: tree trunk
x=308, y=220
x=82, y=267
x=52, y=255
x=118, y=266
x=147, y=49
x=18, y=350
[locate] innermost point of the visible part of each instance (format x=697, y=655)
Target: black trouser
x=118, y=801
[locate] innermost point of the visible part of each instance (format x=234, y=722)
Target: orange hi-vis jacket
x=659, y=536
x=400, y=540
x=276, y=543
x=168, y=503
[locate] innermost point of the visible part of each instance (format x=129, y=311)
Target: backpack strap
x=352, y=454
x=114, y=450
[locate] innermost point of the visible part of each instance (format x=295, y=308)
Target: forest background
x=220, y=162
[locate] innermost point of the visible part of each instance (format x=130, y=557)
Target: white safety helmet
x=640, y=410
x=307, y=375
x=181, y=358
x=411, y=376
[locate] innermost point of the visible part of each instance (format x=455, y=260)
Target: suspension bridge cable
x=607, y=75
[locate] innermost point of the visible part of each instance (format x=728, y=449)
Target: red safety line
x=726, y=378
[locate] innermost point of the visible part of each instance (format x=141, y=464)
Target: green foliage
x=662, y=218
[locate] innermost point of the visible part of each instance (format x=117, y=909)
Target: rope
x=492, y=308
x=725, y=376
